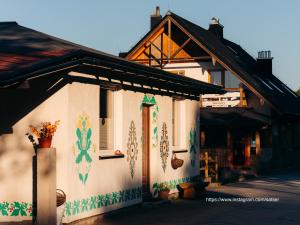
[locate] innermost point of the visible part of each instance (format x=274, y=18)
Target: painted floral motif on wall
x=132, y=148
x=15, y=209
x=150, y=100
x=193, y=150
x=164, y=146
x=83, y=145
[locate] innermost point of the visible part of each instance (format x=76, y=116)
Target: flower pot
x=163, y=194
x=45, y=142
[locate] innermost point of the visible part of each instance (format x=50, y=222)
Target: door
x=239, y=147
x=146, y=146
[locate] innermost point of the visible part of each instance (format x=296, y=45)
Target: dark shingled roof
x=28, y=53
x=279, y=95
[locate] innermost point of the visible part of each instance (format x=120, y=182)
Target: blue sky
x=114, y=26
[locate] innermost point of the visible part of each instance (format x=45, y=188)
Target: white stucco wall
x=195, y=70
x=109, y=184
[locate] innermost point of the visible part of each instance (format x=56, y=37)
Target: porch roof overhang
x=232, y=117
x=115, y=73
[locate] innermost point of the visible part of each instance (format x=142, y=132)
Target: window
x=231, y=81
x=175, y=121
x=106, y=120
x=216, y=78
x=224, y=78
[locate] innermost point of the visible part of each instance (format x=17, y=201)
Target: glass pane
x=216, y=78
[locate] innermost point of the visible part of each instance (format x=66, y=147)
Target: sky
x=115, y=25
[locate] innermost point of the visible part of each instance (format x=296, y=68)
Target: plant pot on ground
x=163, y=191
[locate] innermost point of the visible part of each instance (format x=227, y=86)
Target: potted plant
x=45, y=133
x=164, y=191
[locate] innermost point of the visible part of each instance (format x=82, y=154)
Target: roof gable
x=236, y=60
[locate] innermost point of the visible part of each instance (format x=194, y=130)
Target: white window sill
x=109, y=154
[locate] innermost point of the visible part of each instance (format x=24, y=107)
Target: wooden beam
x=160, y=50
x=141, y=47
x=180, y=48
x=169, y=38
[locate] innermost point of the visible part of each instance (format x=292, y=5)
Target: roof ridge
x=8, y=23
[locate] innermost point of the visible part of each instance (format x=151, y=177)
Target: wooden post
x=206, y=164
x=257, y=140
x=46, y=186
x=247, y=150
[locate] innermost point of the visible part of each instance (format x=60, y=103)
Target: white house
x=104, y=103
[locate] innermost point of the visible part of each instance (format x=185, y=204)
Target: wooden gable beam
x=151, y=37
x=180, y=48
x=159, y=49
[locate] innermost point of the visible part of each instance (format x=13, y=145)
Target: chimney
x=155, y=18
x=216, y=28
x=264, y=62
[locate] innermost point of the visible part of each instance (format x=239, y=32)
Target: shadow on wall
x=19, y=102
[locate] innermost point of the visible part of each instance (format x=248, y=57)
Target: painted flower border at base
x=76, y=207
x=15, y=209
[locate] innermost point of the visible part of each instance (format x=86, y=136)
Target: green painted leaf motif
x=145, y=99
x=89, y=134
x=87, y=156
x=114, y=198
x=154, y=114
x=85, y=178
x=15, y=212
x=101, y=201
x=88, y=145
x=79, y=157
x=122, y=196
x=152, y=100
x=4, y=208
x=68, y=208
x=76, y=207
x=4, y=212
x=84, y=205
x=78, y=133
x=155, y=130
x=23, y=212
x=80, y=177
x=107, y=199
x=17, y=209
